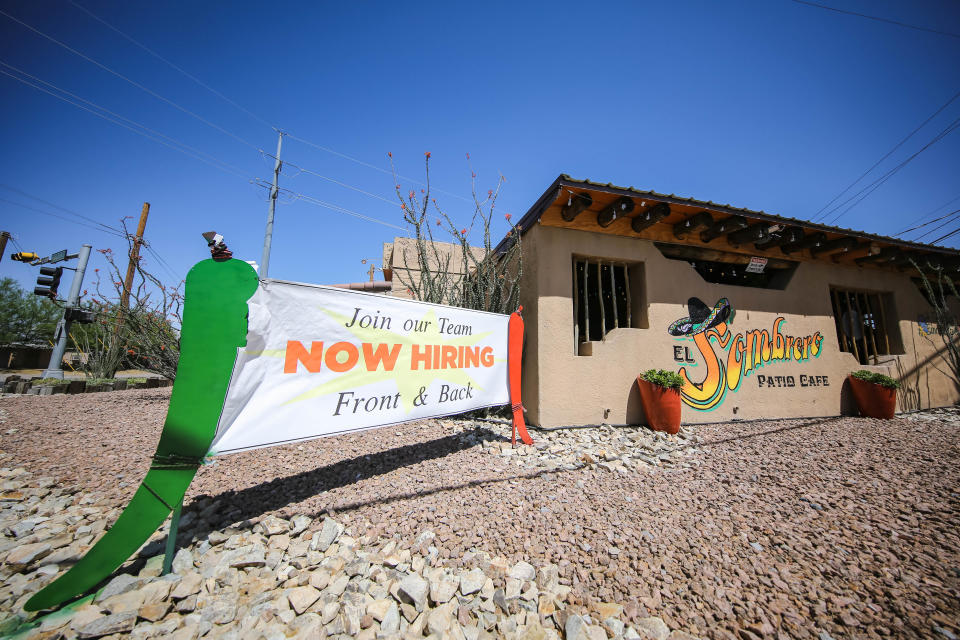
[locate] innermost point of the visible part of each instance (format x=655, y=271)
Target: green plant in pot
x=660, y=396
x=875, y=393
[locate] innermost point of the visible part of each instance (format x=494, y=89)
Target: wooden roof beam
x=806, y=242
x=837, y=245
x=778, y=238
x=650, y=216
x=886, y=254
x=720, y=227
x=683, y=227
x=754, y=233
x=617, y=209
x=576, y=204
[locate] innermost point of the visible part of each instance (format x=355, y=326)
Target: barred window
x=604, y=299
x=861, y=319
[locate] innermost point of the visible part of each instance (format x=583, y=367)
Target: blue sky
x=771, y=105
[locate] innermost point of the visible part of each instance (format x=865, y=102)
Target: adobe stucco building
x=764, y=316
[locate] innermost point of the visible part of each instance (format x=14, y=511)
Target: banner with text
x=322, y=361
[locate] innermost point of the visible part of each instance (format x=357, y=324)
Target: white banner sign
x=321, y=361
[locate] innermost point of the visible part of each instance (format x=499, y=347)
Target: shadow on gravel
x=233, y=507
x=768, y=432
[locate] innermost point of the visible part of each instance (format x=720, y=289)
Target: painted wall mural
x=731, y=358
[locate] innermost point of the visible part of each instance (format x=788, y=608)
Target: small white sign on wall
x=757, y=265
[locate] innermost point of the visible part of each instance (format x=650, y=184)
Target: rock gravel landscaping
x=818, y=528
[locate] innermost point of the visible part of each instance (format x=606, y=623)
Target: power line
x=162, y=59
x=108, y=119
x=334, y=207
x=944, y=237
x=942, y=224
x=133, y=82
x=106, y=227
x=163, y=263
x=930, y=213
x=876, y=184
x=15, y=243
x=349, y=212
x=886, y=155
x=887, y=20
x=376, y=168
x=337, y=182
x=197, y=153
x=64, y=218
x=919, y=226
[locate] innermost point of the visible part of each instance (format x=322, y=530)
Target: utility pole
x=134, y=257
x=268, y=235
x=3, y=242
x=55, y=368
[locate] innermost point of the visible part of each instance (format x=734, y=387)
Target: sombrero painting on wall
x=701, y=317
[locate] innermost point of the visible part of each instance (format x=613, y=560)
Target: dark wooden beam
x=650, y=216
x=841, y=245
x=886, y=254
x=753, y=233
x=720, y=227
x=807, y=241
x=576, y=203
x=614, y=210
x=684, y=227
x=853, y=251
x=782, y=237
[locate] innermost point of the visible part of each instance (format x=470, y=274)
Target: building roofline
x=565, y=181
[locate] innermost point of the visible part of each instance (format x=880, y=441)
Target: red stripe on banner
x=514, y=362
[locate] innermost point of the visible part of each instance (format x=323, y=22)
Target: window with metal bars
x=861, y=319
x=603, y=299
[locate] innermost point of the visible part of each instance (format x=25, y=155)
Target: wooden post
x=839, y=319
x=613, y=298
x=586, y=302
x=134, y=256
x=853, y=339
x=576, y=311
x=626, y=286
x=603, y=311
x=872, y=323
x=883, y=322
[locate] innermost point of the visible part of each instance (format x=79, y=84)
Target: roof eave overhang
x=564, y=181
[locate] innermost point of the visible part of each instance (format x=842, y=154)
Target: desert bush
x=663, y=378
x=876, y=378
x=143, y=334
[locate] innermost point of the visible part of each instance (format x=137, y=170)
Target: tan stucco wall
x=400, y=258
x=562, y=388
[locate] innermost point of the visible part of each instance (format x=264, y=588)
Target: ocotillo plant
x=937, y=293
x=451, y=270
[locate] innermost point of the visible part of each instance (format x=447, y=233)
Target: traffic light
x=48, y=281
x=24, y=256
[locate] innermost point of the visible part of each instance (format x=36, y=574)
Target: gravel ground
x=799, y=528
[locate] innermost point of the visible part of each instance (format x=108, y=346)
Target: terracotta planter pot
x=661, y=406
x=873, y=400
